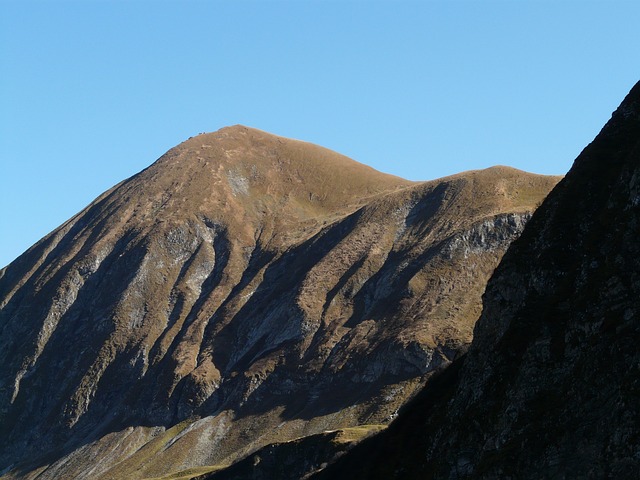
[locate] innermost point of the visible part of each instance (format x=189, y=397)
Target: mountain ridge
x=549, y=387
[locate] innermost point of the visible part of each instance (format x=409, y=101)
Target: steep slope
x=244, y=289
x=550, y=387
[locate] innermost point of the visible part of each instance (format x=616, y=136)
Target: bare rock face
x=550, y=387
x=245, y=289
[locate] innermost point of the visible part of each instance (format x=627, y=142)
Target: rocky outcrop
x=550, y=387
x=243, y=290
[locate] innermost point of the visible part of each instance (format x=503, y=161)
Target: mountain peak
x=239, y=176
x=243, y=289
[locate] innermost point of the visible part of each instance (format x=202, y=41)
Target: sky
x=92, y=92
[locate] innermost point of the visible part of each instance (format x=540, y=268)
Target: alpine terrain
x=247, y=290
x=550, y=386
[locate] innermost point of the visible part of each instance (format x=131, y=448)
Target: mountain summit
x=242, y=290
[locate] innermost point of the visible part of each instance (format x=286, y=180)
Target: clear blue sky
x=94, y=91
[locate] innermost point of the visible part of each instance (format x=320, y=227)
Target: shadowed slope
x=550, y=387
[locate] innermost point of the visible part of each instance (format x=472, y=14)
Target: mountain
x=244, y=290
x=550, y=386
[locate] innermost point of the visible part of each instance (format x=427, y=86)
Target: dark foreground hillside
x=550, y=387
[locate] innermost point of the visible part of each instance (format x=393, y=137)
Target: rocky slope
x=550, y=387
x=245, y=289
